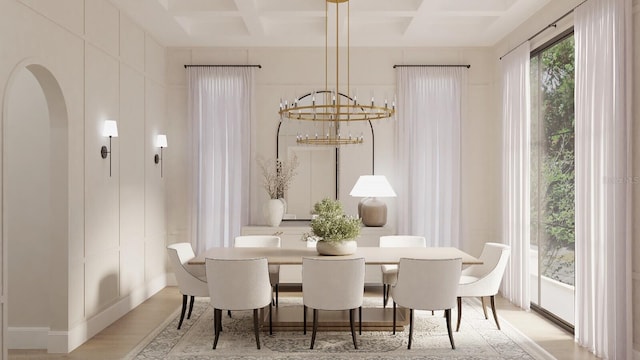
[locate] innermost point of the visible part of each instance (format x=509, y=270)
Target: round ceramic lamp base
x=373, y=212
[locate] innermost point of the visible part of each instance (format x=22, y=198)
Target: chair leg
x=315, y=327
x=410, y=328
x=387, y=295
x=229, y=313
x=184, y=308
x=484, y=308
x=352, y=313
x=384, y=295
x=394, y=318
x=459, y=313
x=447, y=314
x=304, y=319
x=360, y=320
x=217, y=321
x=270, y=320
x=493, y=308
x=277, y=293
x=191, y=307
x=256, y=327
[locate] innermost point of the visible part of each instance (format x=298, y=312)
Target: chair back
x=494, y=259
x=402, y=241
x=332, y=284
x=241, y=284
x=188, y=283
x=427, y=284
x=257, y=241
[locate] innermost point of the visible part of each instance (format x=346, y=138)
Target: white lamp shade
x=110, y=128
x=372, y=186
x=161, y=141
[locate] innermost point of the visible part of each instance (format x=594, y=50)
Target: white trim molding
x=66, y=341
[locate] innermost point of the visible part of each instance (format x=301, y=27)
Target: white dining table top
x=371, y=255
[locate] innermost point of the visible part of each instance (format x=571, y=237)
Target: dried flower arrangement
x=277, y=175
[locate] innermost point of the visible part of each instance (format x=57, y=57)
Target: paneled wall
x=291, y=72
x=636, y=178
x=107, y=67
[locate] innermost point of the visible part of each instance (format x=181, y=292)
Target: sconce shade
x=372, y=186
x=161, y=141
x=110, y=128
x=372, y=211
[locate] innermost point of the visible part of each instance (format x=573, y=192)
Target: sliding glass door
x=552, y=179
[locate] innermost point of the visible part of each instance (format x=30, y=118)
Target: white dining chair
x=332, y=284
x=390, y=271
x=263, y=241
x=426, y=284
x=238, y=285
x=484, y=279
x=191, y=279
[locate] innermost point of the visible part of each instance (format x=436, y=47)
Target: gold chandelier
x=331, y=107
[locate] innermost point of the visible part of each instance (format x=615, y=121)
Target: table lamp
x=372, y=211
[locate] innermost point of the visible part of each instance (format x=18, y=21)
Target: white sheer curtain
x=516, y=149
x=428, y=152
x=603, y=173
x=220, y=109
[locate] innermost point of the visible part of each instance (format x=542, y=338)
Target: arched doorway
x=34, y=207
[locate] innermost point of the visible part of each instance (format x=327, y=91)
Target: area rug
x=478, y=338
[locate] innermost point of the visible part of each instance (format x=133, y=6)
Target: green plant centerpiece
x=334, y=231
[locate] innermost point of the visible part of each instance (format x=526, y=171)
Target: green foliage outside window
x=553, y=159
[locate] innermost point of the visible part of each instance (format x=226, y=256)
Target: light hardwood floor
x=122, y=336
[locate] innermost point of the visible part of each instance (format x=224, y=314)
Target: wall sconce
x=161, y=142
x=110, y=129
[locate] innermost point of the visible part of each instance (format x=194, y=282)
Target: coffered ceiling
x=248, y=23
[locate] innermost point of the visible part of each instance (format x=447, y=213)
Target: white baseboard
x=27, y=337
x=65, y=341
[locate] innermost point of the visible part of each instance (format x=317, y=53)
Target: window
x=552, y=178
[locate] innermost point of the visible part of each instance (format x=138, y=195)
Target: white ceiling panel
x=384, y=23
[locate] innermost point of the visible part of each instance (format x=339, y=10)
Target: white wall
x=107, y=68
x=636, y=176
x=288, y=72
x=28, y=201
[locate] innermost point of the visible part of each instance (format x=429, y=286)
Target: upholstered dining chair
x=484, y=279
x=238, y=285
x=390, y=271
x=191, y=279
x=332, y=284
x=426, y=284
x=263, y=241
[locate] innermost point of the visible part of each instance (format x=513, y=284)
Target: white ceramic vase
x=274, y=212
x=345, y=247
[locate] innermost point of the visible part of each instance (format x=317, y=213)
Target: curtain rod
x=258, y=66
x=553, y=24
x=467, y=66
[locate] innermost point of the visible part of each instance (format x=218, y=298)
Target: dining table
x=371, y=255
x=289, y=317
